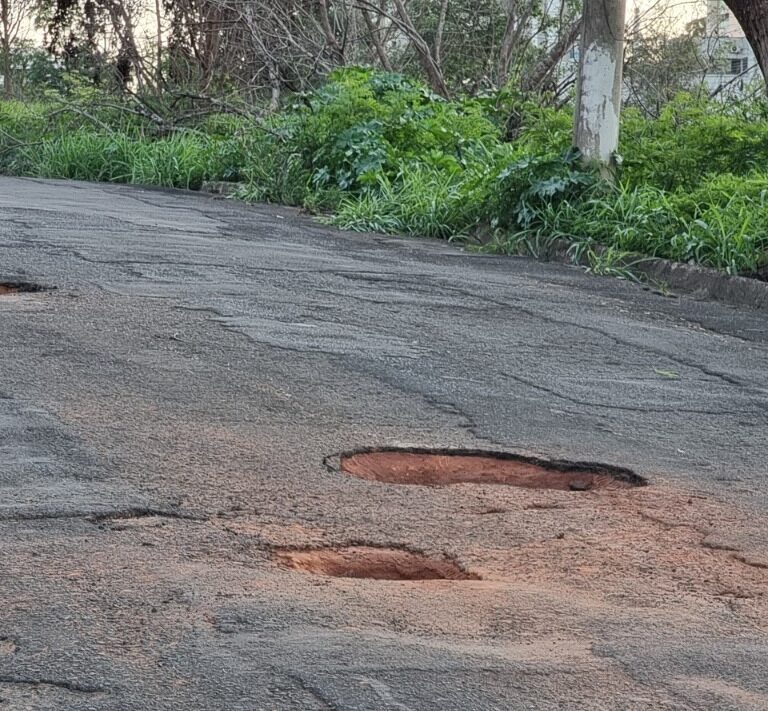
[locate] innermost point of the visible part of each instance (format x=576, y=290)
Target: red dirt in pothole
x=444, y=468
x=374, y=563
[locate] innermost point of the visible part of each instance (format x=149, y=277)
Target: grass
x=179, y=161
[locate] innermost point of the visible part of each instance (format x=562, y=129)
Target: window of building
x=739, y=65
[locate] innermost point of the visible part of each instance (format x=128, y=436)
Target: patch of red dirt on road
x=655, y=546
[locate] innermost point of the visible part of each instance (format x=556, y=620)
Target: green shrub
x=530, y=185
x=363, y=125
x=690, y=141
x=422, y=200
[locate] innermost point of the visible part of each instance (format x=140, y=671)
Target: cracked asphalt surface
x=164, y=416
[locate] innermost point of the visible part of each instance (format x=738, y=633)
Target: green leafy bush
x=364, y=125
x=420, y=200
x=531, y=185
x=690, y=141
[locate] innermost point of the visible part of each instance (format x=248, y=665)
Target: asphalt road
x=165, y=411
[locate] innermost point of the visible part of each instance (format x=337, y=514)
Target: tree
x=752, y=15
x=599, y=93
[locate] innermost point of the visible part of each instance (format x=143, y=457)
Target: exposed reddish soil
x=374, y=563
x=446, y=467
x=650, y=547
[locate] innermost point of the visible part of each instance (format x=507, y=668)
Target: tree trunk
x=375, y=34
x=598, y=96
x=159, y=45
x=433, y=70
x=506, y=50
x=5, y=18
x=752, y=15
x=330, y=36
x=275, y=89
x=440, y=32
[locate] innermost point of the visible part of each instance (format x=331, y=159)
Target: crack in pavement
x=537, y=315
x=66, y=685
x=751, y=562
x=624, y=408
x=384, y=694
x=145, y=512
x=102, y=516
x=313, y=691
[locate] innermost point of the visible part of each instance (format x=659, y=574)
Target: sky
x=679, y=11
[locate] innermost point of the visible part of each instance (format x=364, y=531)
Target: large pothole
x=445, y=467
x=20, y=287
x=373, y=563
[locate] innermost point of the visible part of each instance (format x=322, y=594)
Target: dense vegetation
x=377, y=151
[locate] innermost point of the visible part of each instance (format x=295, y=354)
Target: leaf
x=671, y=374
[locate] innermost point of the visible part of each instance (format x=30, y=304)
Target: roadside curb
x=703, y=283
x=692, y=280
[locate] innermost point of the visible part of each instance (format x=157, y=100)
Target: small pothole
x=371, y=562
x=445, y=467
x=20, y=287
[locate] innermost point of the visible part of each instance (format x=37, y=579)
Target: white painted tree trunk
x=598, y=99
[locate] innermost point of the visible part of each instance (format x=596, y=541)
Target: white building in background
x=731, y=63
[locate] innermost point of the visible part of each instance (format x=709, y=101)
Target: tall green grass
x=179, y=161
x=730, y=233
